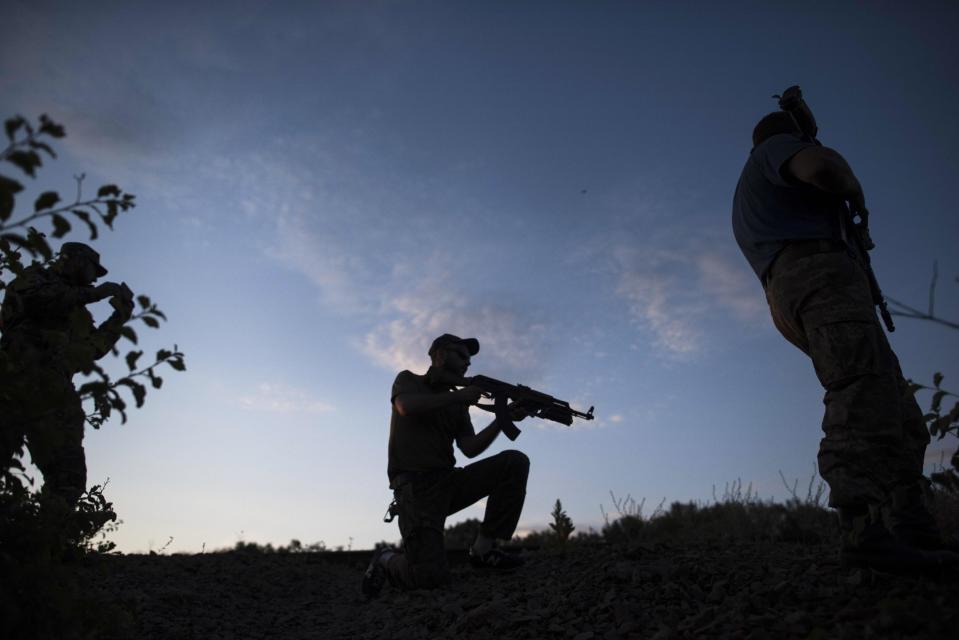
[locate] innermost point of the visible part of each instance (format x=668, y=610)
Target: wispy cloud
x=282, y=399
x=731, y=284
x=659, y=298
x=675, y=285
x=390, y=264
x=408, y=322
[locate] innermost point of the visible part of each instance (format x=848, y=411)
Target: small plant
x=942, y=424
x=562, y=525
x=815, y=497
x=733, y=493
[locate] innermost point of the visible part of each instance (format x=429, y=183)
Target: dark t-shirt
x=769, y=209
x=424, y=442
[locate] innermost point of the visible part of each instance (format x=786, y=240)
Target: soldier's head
x=80, y=264
x=452, y=353
x=772, y=124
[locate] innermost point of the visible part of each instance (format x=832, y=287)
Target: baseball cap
x=80, y=250
x=471, y=344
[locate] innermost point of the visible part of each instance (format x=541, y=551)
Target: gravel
x=749, y=590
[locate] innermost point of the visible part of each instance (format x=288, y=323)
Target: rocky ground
x=695, y=590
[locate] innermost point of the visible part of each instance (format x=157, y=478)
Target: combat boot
x=912, y=524
x=866, y=543
x=376, y=575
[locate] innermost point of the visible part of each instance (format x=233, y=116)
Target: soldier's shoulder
x=407, y=379
x=32, y=276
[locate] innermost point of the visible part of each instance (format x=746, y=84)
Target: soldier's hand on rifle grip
x=469, y=395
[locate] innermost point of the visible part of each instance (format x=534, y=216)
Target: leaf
x=16, y=239
x=132, y=358
x=46, y=200
x=51, y=128
x=38, y=244
x=115, y=400
x=128, y=333
x=83, y=215
x=111, y=213
x=8, y=188
x=6, y=206
x=936, y=379
x=92, y=388
x=28, y=161
x=144, y=301
x=108, y=190
x=178, y=364
x=139, y=393
x=150, y=321
x=8, y=185
x=163, y=354
x=35, y=144
x=60, y=226
x=155, y=380
x=12, y=125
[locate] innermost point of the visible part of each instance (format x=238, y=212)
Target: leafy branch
x=25, y=144
x=941, y=424
x=105, y=392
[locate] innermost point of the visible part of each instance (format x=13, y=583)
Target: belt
x=429, y=477
x=795, y=249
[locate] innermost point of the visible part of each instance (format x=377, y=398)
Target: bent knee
x=517, y=461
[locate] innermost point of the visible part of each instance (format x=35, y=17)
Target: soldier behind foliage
x=48, y=336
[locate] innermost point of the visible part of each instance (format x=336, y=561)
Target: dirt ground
x=740, y=590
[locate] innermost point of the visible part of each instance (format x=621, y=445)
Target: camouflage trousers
x=44, y=411
x=425, y=502
x=874, y=436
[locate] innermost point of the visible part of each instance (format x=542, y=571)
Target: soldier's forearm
x=107, y=334
x=413, y=403
x=481, y=441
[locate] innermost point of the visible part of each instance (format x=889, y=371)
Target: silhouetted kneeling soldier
x=429, y=415
x=48, y=336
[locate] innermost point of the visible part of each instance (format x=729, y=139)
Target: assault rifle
x=791, y=101
x=534, y=403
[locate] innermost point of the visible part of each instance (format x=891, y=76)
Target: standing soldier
x=790, y=221
x=48, y=336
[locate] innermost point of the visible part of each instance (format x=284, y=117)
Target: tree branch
x=906, y=311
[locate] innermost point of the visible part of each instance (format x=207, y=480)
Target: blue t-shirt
x=770, y=210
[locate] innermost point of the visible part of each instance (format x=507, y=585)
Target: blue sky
x=325, y=187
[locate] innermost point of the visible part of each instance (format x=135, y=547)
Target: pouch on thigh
x=844, y=351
